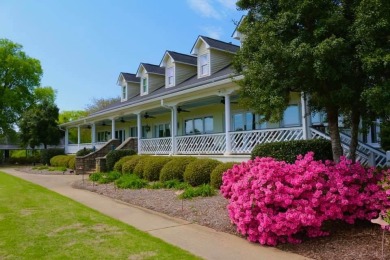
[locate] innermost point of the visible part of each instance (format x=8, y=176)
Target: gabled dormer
x=212, y=55
x=178, y=67
x=151, y=77
x=129, y=84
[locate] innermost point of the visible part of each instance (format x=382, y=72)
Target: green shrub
x=139, y=168
x=24, y=160
x=109, y=177
x=72, y=162
x=175, y=168
x=119, y=164
x=60, y=160
x=130, y=181
x=216, y=174
x=289, y=150
x=198, y=171
x=96, y=176
x=204, y=190
x=84, y=152
x=128, y=167
x=114, y=156
x=153, y=166
x=175, y=184
x=47, y=154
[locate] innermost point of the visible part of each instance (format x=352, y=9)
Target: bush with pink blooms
x=274, y=202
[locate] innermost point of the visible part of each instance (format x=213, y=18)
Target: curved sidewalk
x=199, y=240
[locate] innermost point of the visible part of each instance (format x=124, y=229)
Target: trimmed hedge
x=72, y=162
x=23, y=160
x=153, y=166
x=139, y=168
x=289, y=150
x=114, y=156
x=84, y=151
x=60, y=160
x=119, y=164
x=47, y=154
x=128, y=166
x=198, y=171
x=216, y=174
x=174, y=169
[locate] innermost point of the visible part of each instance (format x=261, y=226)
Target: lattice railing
x=201, y=144
x=156, y=146
x=245, y=141
x=363, y=151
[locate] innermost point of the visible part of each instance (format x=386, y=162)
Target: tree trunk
x=334, y=133
x=355, y=120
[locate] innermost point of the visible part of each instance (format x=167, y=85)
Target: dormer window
x=124, y=93
x=170, y=76
x=144, y=85
x=204, y=65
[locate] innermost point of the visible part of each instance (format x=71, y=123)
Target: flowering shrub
x=274, y=202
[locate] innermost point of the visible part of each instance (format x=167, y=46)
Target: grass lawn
x=36, y=223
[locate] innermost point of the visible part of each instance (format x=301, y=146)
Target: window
x=162, y=130
x=120, y=134
x=103, y=136
x=204, y=65
x=124, y=93
x=244, y=121
x=204, y=125
x=133, y=131
x=144, y=83
x=291, y=116
x=170, y=75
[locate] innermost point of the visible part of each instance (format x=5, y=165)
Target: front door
x=120, y=134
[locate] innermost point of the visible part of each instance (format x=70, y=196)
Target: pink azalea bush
x=274, y=202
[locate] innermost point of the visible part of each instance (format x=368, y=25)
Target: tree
x=19, y=75
x=67, y=116
x=306, y=46
x=100, y=103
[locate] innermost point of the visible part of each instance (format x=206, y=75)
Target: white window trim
x=142, y=86
x=173, y=77
x=200, y=66
x=124, y=98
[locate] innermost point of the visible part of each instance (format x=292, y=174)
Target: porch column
x=227, y=125
x=305, y=116
x=174, y=128
x=66, y=141
x=78, y=137
x=113, y=128
x=139, y=132
x=93, y=133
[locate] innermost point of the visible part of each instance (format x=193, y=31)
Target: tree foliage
x=100, y=103
x=19, y=75
x=67, y=116
x=328, y=49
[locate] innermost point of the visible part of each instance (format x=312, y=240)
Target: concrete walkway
x=199, y=240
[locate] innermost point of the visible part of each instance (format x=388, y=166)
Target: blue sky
x=84, y=45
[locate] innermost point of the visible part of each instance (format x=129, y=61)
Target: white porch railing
x=201, y=144
x=363, y=151
x=73, y=148
x=156, y=146
x=245, y=141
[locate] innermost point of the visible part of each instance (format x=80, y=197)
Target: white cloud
x=230, y=4
x=213, y=32
x=204, y=8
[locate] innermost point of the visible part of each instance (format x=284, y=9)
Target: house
x=187, y=105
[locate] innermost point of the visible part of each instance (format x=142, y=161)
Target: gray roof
x=220, y=45
x=153, y=69
x=182, y=58
x=130, y=77
x=192, y=82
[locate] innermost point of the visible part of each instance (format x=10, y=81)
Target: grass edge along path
x=36, y=223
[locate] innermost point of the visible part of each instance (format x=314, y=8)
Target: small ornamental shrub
x=84, y=152
x=60, y=160
x=72, y=162
x=128, y=166
x=130, y=181
x=47, y=154
x=274, y=202
x=198, y=171
x=96, y=176
x=153, y=167
x=289, y=150
x=139, y=168
x=119, y=164
x=175, y=168
x=216, y=174
x=114, y=156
